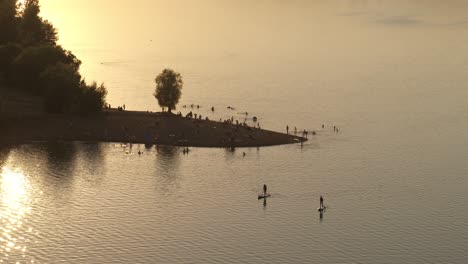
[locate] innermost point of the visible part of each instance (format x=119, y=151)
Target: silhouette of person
x=321, y=202
x=287, y=129
x=264, y=189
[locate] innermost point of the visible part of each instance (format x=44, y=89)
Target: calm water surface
x=391, y=75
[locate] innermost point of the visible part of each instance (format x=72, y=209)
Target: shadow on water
x=167, y=168
x=230, y=153
x=60, y=161
x=92, y=153
x=168, y=156
x=91, y=161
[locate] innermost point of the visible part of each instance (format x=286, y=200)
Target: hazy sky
x=327, y=33
x=255, y=25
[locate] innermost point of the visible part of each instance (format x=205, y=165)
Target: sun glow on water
x=15, y=205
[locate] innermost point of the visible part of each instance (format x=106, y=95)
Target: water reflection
x=15, y=206
x=91, y=160
x=168, y=156
x=167, y=166
x=60, y=159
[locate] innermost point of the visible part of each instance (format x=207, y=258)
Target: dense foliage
x=168, y=88
x=61, y=87
x=8, y=21
x=31, y=60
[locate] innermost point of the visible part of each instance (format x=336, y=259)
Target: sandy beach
x=140, y=127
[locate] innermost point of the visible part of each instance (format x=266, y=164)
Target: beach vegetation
x=8, y=53
x=33, y=29
x=31, y=60
x=61, y=87
x=91, y=98
x=168, y=89
x=8, y=21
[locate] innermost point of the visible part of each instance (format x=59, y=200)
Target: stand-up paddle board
x=321, y=209
x=262, y=196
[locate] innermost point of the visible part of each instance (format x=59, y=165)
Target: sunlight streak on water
x=15, y=207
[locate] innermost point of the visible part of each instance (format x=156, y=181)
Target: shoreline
x=139, y=127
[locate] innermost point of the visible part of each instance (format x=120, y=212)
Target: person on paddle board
x=321, y=202
x=264, y=189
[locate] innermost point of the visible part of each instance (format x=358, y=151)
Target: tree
x=168, y=88
x=28, y=66
x=92, y=98
x=62, y=87
x=7, y=55
x=34, y=29
x=65, y=92
x=8, y=21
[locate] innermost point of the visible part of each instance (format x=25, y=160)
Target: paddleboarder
x=264, y=189
x=321, y=202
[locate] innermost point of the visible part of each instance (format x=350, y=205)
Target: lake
x=390, y=75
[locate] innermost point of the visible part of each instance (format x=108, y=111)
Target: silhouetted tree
x=168, y=88
x=92, y=98
x=31, y=59
x=8, y=21
x=27, y=67
x=66, y=92
x=7, y=55
x=61, y=83
x=34, y=29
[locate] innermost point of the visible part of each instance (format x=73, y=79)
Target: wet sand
x=139, y=127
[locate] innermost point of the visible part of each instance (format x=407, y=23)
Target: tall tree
x=33, y=28
x=8, y=21
x=29, y=64
x=92, y=98
x=168, y=88
x=62, y=87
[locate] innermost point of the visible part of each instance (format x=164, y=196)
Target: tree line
x=33, y=62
